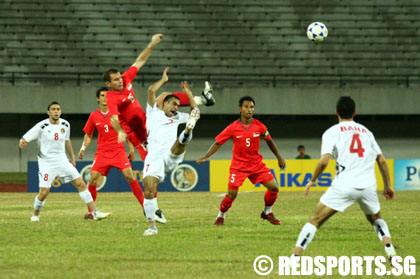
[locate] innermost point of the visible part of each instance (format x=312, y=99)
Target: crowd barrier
x=213, y=176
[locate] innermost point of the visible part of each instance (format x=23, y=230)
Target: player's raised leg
x=87, y=198
x=39, y=202
x=322, y=214
x=270, y=198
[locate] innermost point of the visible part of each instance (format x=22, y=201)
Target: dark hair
x=245, y=98
x=98, y=92
x=300, y=146
x=53, y=103
x=107, y=74
x=169, y=97
x=346, y=107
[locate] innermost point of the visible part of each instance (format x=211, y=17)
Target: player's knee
x=232, y=194
x=93, y=178
x=129, y=177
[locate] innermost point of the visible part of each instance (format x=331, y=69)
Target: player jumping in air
x=355, y=179
x=165, y=151
x=110, y=153
x=53, y=135
x=246, y=133
x=124, y=107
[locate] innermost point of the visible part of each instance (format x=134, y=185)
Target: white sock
x=86, y=196
x=267, y=210
x=156, y=204
x=221, y=214
x=306, y=235
x=381, y=228
x=199, y=100
x=183, y=139
x=38, y=204
x=150, y=209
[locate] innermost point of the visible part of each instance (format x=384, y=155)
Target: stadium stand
x=233, y=43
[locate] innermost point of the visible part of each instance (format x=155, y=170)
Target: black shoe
x=159, y=217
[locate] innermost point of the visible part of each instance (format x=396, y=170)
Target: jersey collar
x=243, y=126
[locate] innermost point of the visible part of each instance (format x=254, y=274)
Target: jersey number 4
x=356, y=142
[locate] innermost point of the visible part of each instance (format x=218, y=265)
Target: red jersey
x=246, y=143
x=124, y=102
x=107, y=137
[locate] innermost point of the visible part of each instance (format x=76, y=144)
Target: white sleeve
x=375, y=145
x=328, y=142
x=68, y=133
x=183, y=117
x=150, y=109
x=33, y=133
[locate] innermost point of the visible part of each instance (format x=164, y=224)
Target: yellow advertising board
x=294, y=178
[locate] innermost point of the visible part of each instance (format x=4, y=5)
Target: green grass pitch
x=64, y=245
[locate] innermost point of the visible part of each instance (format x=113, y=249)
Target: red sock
x=92, y=190
x=270, y=198
x=184, y=101
x=156, y=194
x=137, y=191
x=142, y=151
x=226, y=204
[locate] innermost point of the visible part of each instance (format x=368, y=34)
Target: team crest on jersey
x=184, y=178
x=63, y=131
x=256, y=135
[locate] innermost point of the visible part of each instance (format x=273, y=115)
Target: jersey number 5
x=356, y=142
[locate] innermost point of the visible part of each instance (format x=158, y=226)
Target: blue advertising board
x=407, y=174
x=188, y=176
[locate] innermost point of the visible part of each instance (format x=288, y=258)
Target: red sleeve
x=90, y=126
x=112, y=104
x=130, y=74
x=264, y=132
x=225, y=135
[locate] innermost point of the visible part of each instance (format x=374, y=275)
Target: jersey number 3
x=356, y=142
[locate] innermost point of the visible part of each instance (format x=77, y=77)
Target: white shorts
x=157, y=163
x=339, y=198
x=48, y=172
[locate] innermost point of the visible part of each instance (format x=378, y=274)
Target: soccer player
x=123, y=104
x=53, y=135
x=110, y=153
x=355, y=179
x=246, y=133
x=165, y=151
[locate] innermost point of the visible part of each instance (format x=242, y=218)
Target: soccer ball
x=317, y=32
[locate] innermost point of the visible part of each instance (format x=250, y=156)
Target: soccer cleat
x=100, y=215
x=150, y=231
x=270, y=218
x=34, y=218
x=88, y=216
x=390, y=252
x=159, y=217
x=207, y=94
x=219, y=221
x=194, y=116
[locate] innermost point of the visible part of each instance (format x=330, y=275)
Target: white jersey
x=161, y=129
x=356, y=150
x=51, y=140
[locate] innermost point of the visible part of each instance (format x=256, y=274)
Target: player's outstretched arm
x=86, y=141
x=273, y=147
x=213, y=149
x=151, y=94
x=69, y=149
x=322, y=164
x=145, y=54
x=186, y=89
x=383, y=167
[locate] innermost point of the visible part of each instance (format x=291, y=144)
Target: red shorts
x=259, y=174
x=105, y=161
